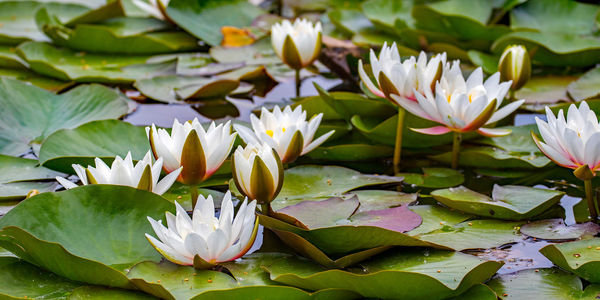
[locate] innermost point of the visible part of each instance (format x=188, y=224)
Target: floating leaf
x=579, y=257
x=102, y=293
x=18, y=176
x=435, y=218
x=176, y=89
x=477, y=292
x=489, y=63
x=565, y=16
x=490, y=157
x=38, y=80
x=555, y=229
x=540, y=91
x=434, y=178
x=586, y=86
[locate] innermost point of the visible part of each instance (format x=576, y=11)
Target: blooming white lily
x=200, y=152
x=204, y=240
x=402, y=78
x=286, y=131
x=144, y=175
x=515, y=65
x=257, y=172
x=155, y=8
x=463, y=106
x=298, y=44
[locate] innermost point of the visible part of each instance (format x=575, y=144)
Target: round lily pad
x=434, y=178
x=555, y=229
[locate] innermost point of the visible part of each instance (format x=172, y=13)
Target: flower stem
x=456, y=149
x=511, y=95
x=589, y=196
x=265, y=208
x=194, y=195
x=398, y=146
x=298, y=82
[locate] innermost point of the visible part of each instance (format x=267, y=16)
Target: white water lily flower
x=286, y=131
x=298, y=44
x=205, y=240
x=155, y=8
x=515, y=65
x=402, y=78
x=573, y=142
x=200, y=152
x=257, y=172
x=463, y=106
x=144, y=175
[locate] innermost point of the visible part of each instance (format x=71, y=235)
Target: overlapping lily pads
x=579, y=257
x=19, y=176
x=557, y=230
x=434, y=178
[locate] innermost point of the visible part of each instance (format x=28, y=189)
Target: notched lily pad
x=434, y=178
x=555, y=229
x=579, y=257
x=509, y=202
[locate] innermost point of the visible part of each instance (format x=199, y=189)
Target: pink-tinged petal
x=437, y=130
x=412, y=107
x=552, y=154
x=494, y=132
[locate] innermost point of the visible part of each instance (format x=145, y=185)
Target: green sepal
x=90, y=177
x=193, y=160
x=281, y=174
x=583, y=173
x=261, y=181
x=438, y=75
x=290, y=54
x=295, y=148
x=201, y=264
x=483, y=117
x=386, y=85
x=145, y=182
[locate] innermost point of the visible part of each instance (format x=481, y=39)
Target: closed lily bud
x=257, y=172
x=287, y=131
x=144, y=175
x=205, y=240
x=299, y=44
x=515, y=65
x=200, y=152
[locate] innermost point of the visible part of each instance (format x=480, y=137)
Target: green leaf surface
x=491, y=157
x=565, y=16
x=177, y=89
x=586, y=86
x=489, y=63
x=104, y=293
x=64, y=236
x=388, y=15
x=477, y=292
x=579, y=257
x=18, y=176
x=38, y=80
x=540, y=91
x=434, y=178
x=30, y=114
x=556, y=229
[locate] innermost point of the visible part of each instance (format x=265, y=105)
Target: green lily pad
x=344, y=105
x=350, y=150
x=518, y=141
x=389, y=15
x=491, y=157
x=435, y=218
x=30, y=114
x=566, y=16
x=579, y=257
x=586, y=86
x=434, y=178
x=489, y=63
x=63, y=237
x=510, y=202
x=204, y=19
x=38, y=80
x=104, y=293
x=349, y=21
x=550, y=284
x=430, y=274
x=555, y=229
x=477, y=292
x=176, y=89
x=540, y=91
x=380, y=199
x=18, y=176
x=65, y=64
x=248, y=280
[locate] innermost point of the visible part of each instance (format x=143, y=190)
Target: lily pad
x=47, y=83
x=430, y=274
x=491, y=157
x=540, y=91
x=104, y=293
x=30, y=114
x=204, y=19
x=555, y=229
x=248, y=280
x=342, y=151
x=435, y=218
x=18, y=176
x=381, y=199
x=477, y=292
x=434, y=178
x=550, y=284
x=579, y=257
x=508, y=202
x=566, y=16
x=389, y=15
x=489, y=63
x=64, y=237
x=586, y=86
x=176, y=89
x=344, y=105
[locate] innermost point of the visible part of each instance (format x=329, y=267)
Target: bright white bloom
x=156, y=8
x=257, y=172
x=573, y=142
x=402, y=78
x=200, y=152
x=298, y=44
x=463, y=106
x=204, y=239
x=144, y=175
x=286, y=131
x=515, y=65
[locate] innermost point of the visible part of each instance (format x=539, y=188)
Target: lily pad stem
x=194, y=195
x=298, y=82
x=589, y=196
x=456, y=149
x=398, y=146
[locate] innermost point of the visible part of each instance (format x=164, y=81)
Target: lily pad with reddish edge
x=557, y=230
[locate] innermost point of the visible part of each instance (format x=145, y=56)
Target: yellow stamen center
x=270, y=132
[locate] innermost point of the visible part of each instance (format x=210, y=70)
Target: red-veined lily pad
x=30, y=114
x=424, y=274
x=64, y=235
x=549, y=284
x=434, y=178
x=509, y=202
x=248, y=280
x=579, y=257
x=19, y=176
x=556, y=229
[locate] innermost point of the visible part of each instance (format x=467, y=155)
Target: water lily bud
x=156, y=8
x=286, y=131
x=200, y=152
x=204, y=240
x=515, y=65
x=144, y=175
x=257, y=172
x=299, y=44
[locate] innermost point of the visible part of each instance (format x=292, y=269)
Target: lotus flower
x=463, y=106
x=156, y=8
x=200, y=152
x=257, y=172
x=298, y=44
x=144, y=175
x=286, y=131
x=515, y=65
x=402, y=78
x=205, y=240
